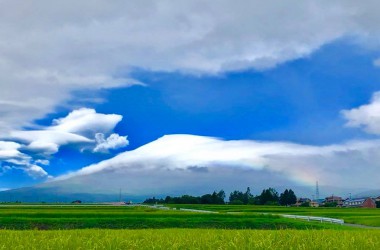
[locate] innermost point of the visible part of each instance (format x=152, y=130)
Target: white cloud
x=376, y=62
x=114, y=141
x=49, y=50
x=356, y=161
x=35, y=171
x=78, y=128
x=9, y=150
x=86, y=122
x=42, y=162
x=11, y=157
x=46, y=141
x=366, y=116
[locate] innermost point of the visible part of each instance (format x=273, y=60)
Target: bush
x=331, y=204
x=236, y=202
x=305, y=204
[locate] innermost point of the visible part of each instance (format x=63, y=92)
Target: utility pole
x=120, y=196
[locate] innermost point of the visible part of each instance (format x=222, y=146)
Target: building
x=301, y=201
x=360, y=202
x=377, y=199
x=337, y=199
x=314, y=203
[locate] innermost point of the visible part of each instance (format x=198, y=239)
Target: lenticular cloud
x=183, y=155
x=79, y=128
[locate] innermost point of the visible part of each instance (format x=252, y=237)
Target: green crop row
x=364, y=216
x=130, y=217
x=190, y=239
x=157, y=220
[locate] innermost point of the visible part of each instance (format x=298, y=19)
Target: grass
x=190, y=239
x=107, y=217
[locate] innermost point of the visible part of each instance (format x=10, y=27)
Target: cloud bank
x=207, y=159
x=51, y=49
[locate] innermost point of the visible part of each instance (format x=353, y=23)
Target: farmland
x=140, y=227
x=369, y=217
x=123, y=217
x=190, y=239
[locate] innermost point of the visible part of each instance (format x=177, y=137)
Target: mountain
x=368, y=193
x=54, y=195
x=188, y=164
x=108, y=191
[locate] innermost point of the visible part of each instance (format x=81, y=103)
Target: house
x=377, y=199
x=337, y=199
x=314, y=203
x=360, y=202
x=301, y=201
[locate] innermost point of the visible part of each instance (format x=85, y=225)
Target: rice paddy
x=108, y=227
x=189, y=239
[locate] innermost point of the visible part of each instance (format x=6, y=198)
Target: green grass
x=190, y=239
x=369, y=217
x=107, y=217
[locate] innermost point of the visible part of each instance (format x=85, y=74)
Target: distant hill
x=369, y=193
x=66, y=192
x=53, y=195
x=137, y=186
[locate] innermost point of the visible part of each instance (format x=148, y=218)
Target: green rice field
x=190, y=239
x=363, y=216
x=233, y=227
x=124, y=217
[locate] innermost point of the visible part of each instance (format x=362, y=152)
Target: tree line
x=267, y=197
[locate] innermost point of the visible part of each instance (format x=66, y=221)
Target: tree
x=222, y=195
x=269, y=197
x=236, y=196
x=378, y=204
x=247, y=197
x=287, y=198
x=331, y=204
x=292, y=198
x=284, y=198
x=236, y=202
x=214, y=198
x=153, y=200
x=305, y=204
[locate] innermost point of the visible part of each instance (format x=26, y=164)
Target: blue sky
x=299, y=101
x=292, y=89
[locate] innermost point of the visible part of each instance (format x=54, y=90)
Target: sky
x=158, y=89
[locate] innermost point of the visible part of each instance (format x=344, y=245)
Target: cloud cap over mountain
x=177, y=159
